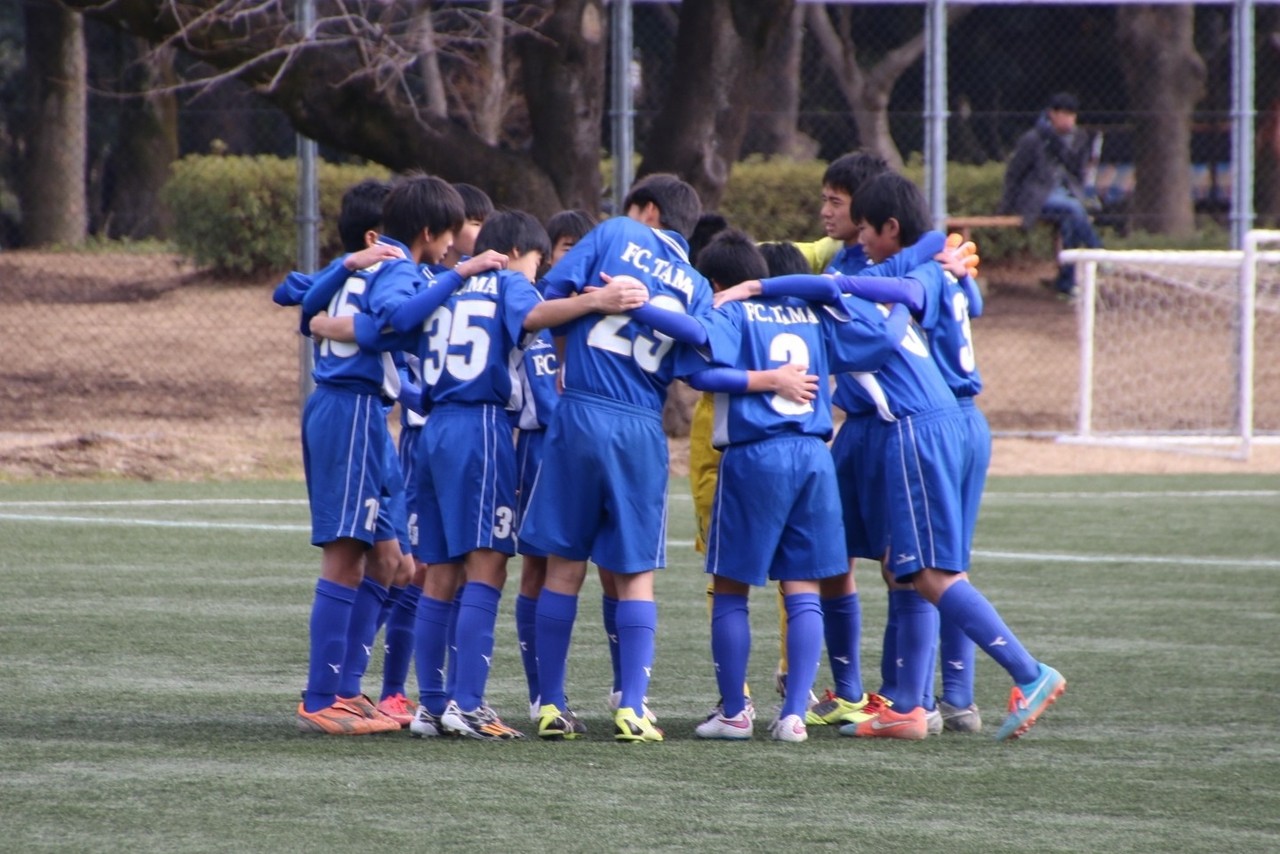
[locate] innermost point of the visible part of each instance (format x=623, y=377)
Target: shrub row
x=238, y=214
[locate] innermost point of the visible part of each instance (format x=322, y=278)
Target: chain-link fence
x=111, y=340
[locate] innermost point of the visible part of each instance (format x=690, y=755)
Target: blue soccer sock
x=330, y=619
x=526, y=636
x=361, y=632
x=389, y=604
x=957, y=651
x=842, y=626
x=965, y=605
x=451, y=675
x=889, y=651
x=730, y=648
x=556, y=615
x=804, y=650
x=917, y=634
x=398, y=641
x=637, y=625
x=477, y=616
x=430, y=652
x=609, y=613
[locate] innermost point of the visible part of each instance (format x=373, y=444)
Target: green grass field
x=153, y=639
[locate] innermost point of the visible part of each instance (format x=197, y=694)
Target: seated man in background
x=1045, y=180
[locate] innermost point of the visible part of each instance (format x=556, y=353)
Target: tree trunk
x=563, y=72
x=775, y=103
x=139, y=163
x=1165, y=78
x=52, y=175
x=721, y=56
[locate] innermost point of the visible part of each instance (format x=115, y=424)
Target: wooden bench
x=963, y=224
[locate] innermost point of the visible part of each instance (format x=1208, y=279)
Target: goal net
x=1180, y=349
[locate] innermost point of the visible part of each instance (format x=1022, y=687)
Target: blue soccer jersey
x=945, y=320
x=374, y=293
x=851, y=260
x=906, y=383
x=629, y=361
x=761, y=334
x=472, y=346
x=538, y=381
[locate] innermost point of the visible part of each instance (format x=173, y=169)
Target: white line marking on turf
x=1208, y=493
x=1248, y=563
x=152, y=523
x=161, y=502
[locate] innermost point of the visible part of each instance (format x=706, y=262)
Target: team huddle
x=530, y=365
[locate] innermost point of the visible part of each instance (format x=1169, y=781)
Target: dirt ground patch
x=138, y=366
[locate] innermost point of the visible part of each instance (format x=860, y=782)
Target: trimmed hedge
x=239, y=214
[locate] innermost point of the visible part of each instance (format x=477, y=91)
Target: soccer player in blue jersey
x=943, y=301
x=601, y=493
x=788, y=531
x=925, y=445
x=539, y=372
x=359, y=218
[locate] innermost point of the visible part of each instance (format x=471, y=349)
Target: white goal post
x=1179, y=350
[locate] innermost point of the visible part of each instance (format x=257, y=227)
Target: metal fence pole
x=935, y=128
x=308, y=217
x=621, y=106
x=1242, y=115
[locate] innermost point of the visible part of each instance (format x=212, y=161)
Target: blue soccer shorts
x=776, y=513
x=466, y=483
x=601, y=493
x=858, y=454
x=974, y=479
x=407, y=450
x=528, y=460
x=344, y=441
x=393, y=516
x=924, y=459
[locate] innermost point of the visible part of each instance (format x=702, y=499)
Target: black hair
x=731, y=257
x=421, y=201
x=850, y=171
x=784, y=259
x=1064, y=101
x=573, y=224
x=677, y=202
x=891, y=196
x=361, y=212
x=476, y=203
x=505, y=231
x=707, y=227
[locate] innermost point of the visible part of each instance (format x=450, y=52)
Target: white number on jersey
x=445, y=328
x=960, y=311
x=911, y=340
x=341, y=306
x=647, y=351
x=787, y=348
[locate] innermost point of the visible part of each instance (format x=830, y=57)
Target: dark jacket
x=1041, y=159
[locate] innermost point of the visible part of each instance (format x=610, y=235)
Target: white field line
x=164, y=502
x=1041, y=557
x=149, y=523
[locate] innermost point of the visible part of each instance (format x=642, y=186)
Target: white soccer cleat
x=737, y=728
x=791, y=728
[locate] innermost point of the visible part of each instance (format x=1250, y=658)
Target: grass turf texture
x=153, y=653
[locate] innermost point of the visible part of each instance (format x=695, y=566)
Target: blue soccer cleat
x=1027, y=702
